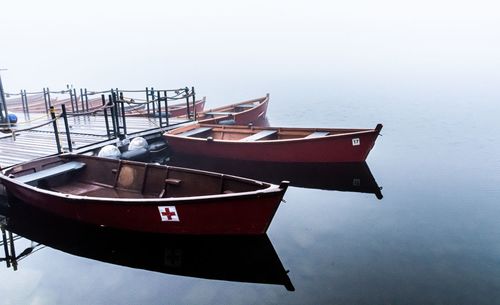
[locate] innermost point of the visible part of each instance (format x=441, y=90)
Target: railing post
x=76, y=100
x=194, y=103
x=166, y=107
x=147, y=99
x=48, y=97
x=86, y=99
x=186, y=92
x=159, y=108
x=123, y=114
x=152, y=100
x=45, y=100
x=112, y=109
x=66, y=126
x=103, y=98
x=82, y=100
x=56, y=131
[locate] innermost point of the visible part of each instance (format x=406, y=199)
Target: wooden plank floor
x=84, y=130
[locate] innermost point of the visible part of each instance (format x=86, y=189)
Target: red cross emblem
x=168, y=213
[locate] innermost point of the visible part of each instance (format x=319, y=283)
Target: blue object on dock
x=12, y=118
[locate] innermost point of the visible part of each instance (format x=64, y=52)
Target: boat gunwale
x=278, y=129
x=269, y=190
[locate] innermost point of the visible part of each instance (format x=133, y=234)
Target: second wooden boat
x=274, y=144
x=242, y=113
x=144, y=197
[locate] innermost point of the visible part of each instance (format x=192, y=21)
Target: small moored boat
x=242, y=113
x=273, y=144
x=144, y=197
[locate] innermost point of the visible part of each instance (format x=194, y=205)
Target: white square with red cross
x=168, y=213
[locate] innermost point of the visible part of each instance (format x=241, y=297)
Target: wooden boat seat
x=196, y=131
x=246, y=106
x=317, y=134
x=260, y=135
x=219, y=113
x=51, y=172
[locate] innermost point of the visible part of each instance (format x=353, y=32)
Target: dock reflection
x=251, y=259
x=347, y=177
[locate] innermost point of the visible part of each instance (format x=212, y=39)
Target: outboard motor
x=137, y=150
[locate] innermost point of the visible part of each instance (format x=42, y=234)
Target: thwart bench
x=50, y=172
x=259, y=136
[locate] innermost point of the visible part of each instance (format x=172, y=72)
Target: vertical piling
x=186, y=92
x=166, y=107
x=86, y=99
x=194, y=103
x=105, y=110
x=45, y=100
x=66, y=126
x=123, y=114
x=159, y=108
x=56, y=131
x=76, y=100
x=147, y=100
x=112, y=110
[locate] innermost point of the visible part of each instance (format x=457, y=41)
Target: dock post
x=123, y=114
x=152, y=91
x=27, y=106
x=186, y=92
x=166, y=107
x=112, y=110
x=114, y=114
x=76, y=100
x=103, y=98
x=159, y=107
x=45, y=100
x=5, y=247
x=82, y=100
x=22, y=102
x=86, y=99
x=147, y=99
x=48, y=97
x=194, y=102
x=66, y=126
x=72, y=101
x=56, y=131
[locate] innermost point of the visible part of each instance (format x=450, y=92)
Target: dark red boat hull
x=329, y=149
x=254, y=116
x=242, y=215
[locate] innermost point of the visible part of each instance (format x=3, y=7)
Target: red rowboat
x=273, y=144
x=243, y=113
x=144, y=197
x=175, y=110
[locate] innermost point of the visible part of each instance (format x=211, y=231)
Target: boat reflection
x=348, y=177
x=250, y=259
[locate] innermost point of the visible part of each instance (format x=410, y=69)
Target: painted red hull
x=254, y=116
x=180, y=111
x=328, y=149
x=243, y=215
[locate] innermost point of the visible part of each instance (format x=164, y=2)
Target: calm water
x=434, y=238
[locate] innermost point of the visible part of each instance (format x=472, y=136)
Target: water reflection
x=348, y=177
x=250, y=259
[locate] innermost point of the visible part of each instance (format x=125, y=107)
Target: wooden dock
x=88, y=130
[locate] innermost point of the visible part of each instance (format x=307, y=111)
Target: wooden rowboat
x=144, y=197
x=243, y=113
x=273, y=144
x=175, y=110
